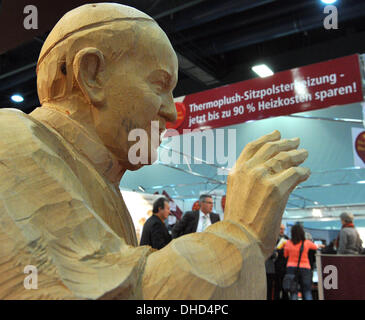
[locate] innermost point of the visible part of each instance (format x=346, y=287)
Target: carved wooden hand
x=260, y=183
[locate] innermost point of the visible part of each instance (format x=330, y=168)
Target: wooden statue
x=104, y=70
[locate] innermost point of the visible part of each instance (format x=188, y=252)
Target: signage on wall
x=196, y=206
x=317, y=86
x=358, y=146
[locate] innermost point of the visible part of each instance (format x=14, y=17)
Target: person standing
x=280, y=266
x=270, y=275
x=348, y=241
x=197, y=221
x=330, y=248
x=292, y=251
x=155, y=233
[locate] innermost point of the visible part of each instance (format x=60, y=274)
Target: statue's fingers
x=271, y=149
x=286, y=159
x=290, y=178
x=252, y=147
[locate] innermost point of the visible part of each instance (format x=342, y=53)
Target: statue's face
x=138, y=91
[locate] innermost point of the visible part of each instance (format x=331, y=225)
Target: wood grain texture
x=104, y=70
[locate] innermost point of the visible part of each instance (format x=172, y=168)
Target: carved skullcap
x=85, y=17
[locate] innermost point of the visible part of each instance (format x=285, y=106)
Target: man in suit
x=280, y=266
x=155, y=233
x=196, y=221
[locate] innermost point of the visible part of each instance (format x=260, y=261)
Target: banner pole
x=362, y=72
x=320, y=278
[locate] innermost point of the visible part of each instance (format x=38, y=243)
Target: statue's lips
x=161, y=131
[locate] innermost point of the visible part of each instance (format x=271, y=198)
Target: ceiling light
x=328, y=1
x=317, y=213
x=262, y=70
x=17, y=98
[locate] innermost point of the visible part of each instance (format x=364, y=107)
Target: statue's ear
x=88, y=65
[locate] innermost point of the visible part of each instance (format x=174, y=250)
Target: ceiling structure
x=217, y=43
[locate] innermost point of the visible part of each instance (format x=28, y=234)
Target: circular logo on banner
x=196, y=206
x=181, y=112
x=360, y=146
x=223, y=202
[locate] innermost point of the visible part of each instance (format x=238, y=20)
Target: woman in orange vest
x=304, y=272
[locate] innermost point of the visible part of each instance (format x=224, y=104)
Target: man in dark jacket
x=270, y=274
x=196, y=221
x=280, y=266
x=154, y=231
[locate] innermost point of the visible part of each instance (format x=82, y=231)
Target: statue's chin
x=133, y=167
x=136, y=162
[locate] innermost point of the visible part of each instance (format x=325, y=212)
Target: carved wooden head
x=119, y=63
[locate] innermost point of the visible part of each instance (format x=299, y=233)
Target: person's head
x=206, y=203
x=308, y=236
x=282, y=230
x=346, y=217
x=161, y=208
x=297, y=233
x=120, y=67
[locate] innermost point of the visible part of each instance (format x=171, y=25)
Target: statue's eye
x=160, y=79
x=160, y=84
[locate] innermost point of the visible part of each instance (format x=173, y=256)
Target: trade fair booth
x=196, y=153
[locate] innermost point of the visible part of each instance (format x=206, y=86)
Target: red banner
x=317, y=86
x=341, y=277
